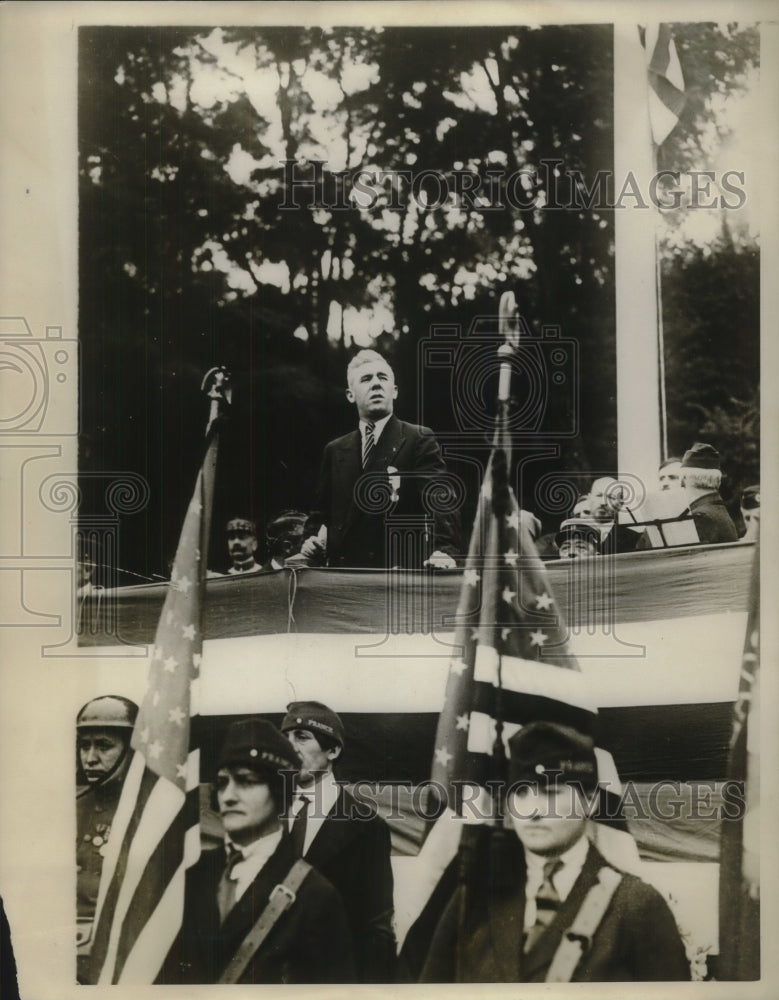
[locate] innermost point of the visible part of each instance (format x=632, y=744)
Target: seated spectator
x=750, y=512
x=284, y=536
x=582, y=507
x=242, y=545
x=577, y=538
x=669, y=475
x=606, y=500
x=701, y=477
x=87, y=565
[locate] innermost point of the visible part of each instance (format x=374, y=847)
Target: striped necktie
x=547, y=903
x=368, y=445
x=228, y=884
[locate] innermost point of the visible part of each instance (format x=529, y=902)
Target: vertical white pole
x=638, y=363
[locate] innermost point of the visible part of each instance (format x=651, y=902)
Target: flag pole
x=508, y=329
x=155, y=834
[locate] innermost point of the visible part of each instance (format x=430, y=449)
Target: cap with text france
x=315, y=716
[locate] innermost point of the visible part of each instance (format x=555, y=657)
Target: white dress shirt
x=255, y=856
x=378, y=427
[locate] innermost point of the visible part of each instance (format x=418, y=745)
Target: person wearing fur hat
x=234, y=891
x=564, y=914
x=701, y=477
x=344, y=839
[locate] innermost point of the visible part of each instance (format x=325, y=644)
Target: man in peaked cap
x=344, y=839
x=701, y=477
x=568, y=916
x=242, y=546
x=229, y=890
x=578, y=538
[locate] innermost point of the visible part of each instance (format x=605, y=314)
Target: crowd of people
x=289, y=830
x=292, y=831
x=387, y=465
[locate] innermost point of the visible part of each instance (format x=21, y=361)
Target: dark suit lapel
x=348, y=470
x=334, y=833
x=388, y=445
x=349, y=457
x=541, y=954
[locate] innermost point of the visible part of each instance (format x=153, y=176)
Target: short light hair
x=701, y=479
x=361, y=358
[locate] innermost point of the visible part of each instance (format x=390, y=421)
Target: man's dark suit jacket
x=310, y=943
x=712, y=520
x=352, y=850
x=637, y=939
x=356, y=510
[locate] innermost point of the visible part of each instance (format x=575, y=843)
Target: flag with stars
x=155, y=835
x=513, y=664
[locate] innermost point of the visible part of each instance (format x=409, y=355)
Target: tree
x=198, y=246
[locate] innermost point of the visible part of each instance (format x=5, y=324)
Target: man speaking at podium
x=379, y=472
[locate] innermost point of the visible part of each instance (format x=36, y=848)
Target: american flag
x=513, y=665
x=155, y=835
x=739, y=955
x=666, y=82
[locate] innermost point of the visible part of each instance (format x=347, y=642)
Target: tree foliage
x=188, y=257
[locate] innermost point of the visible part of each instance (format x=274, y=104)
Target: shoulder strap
x=579, y=935
x=281, y=898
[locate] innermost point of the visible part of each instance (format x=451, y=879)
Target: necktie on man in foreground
x=368, y=445
x=547, y=904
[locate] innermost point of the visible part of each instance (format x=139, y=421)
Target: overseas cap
x=750, y=498
x=256, y=743
x=701, y=456
x=542, y=747
x=110, y=711
x=315, y=716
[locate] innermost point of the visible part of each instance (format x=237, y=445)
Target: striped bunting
x=155, y=835
x=739, y=888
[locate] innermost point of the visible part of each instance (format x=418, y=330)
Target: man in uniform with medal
x=103, y=729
